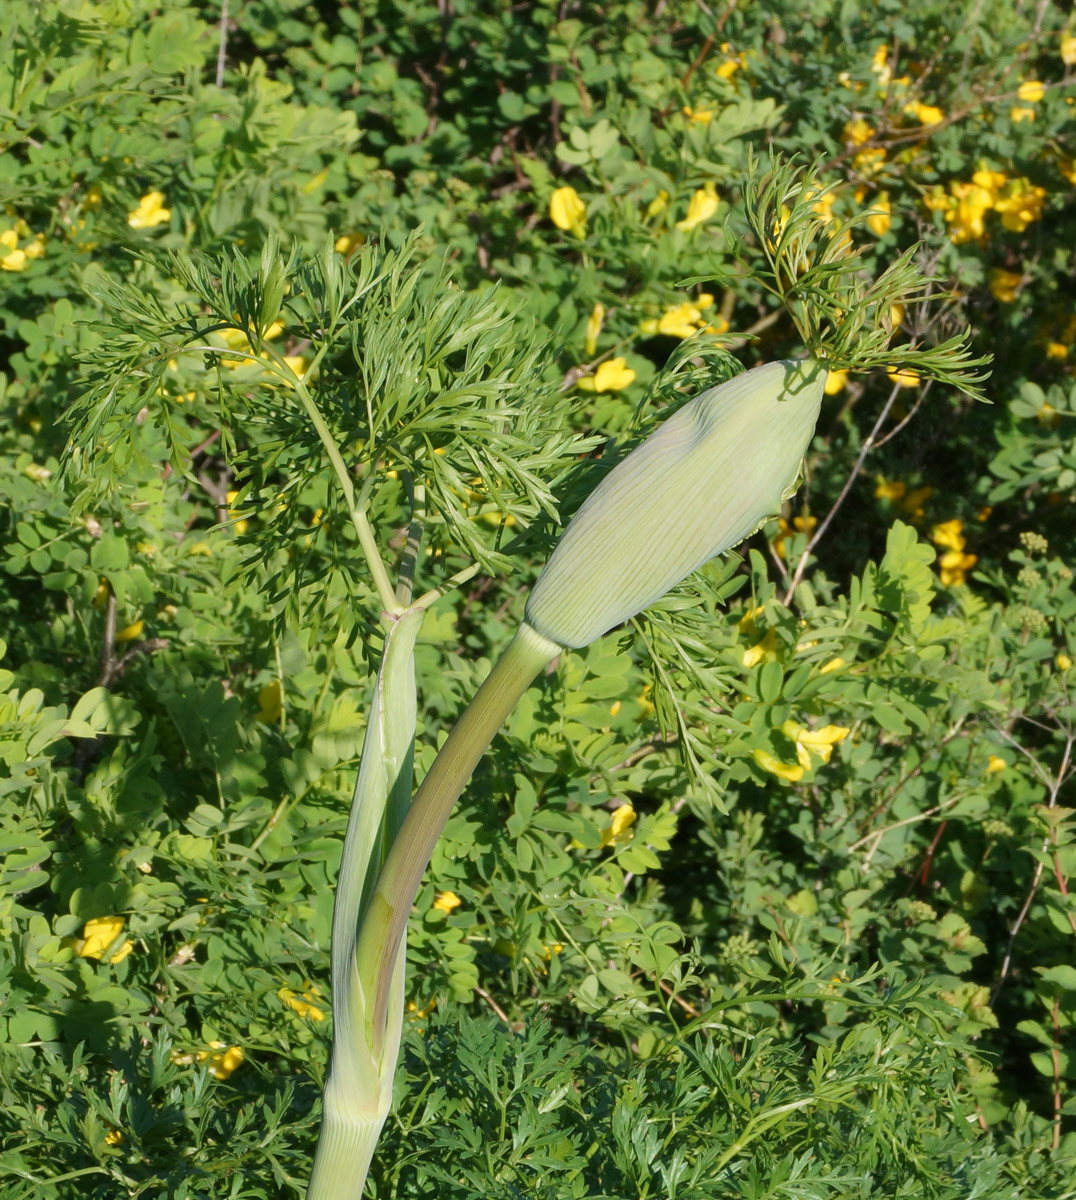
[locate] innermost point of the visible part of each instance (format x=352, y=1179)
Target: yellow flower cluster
x=785, y=531
x=730, y=63
x=954, y=563
x=1018, y=201
x=305, y=1005
x=896, y=491
x=683, y=320
x=1031, y=91
x=98, y=934
x=925, y=114
x=14, y=257
x=150, y=212
x=809, y=745
x=223, y=1059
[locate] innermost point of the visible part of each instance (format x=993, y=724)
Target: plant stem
x=386, y=916
x=385, y=591
x=345, y=1149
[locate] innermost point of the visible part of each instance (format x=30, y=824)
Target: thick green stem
x=345, y=1150
x=386, y=916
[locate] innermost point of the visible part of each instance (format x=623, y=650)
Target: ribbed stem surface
x=345, y=1150
x=386, y=917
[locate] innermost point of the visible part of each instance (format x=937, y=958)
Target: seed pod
x=707, y=478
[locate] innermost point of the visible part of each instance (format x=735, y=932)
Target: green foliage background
x=859, y=982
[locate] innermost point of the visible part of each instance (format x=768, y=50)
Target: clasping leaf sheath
x=703, y=481
x=358, y=1093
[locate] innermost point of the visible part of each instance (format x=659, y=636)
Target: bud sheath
x=703, y=481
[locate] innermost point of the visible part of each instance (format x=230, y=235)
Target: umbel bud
x=704, y=480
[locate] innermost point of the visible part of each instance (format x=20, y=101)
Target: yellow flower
x=819, y=742
x=114, y=1137
x=925, y=114
x=949, y=534
x=298, y=364
x=1063, y=662
x=904, y=378
x=303, y=1005
x=11, y=258
x=1020, y=205
x=765, y=650
x=834, y=664
x=1048, y=415
x=98, y=934
x=768, y=762
x=880, y=66
x=966, y=216
x=348, y=243
x=1068, y=50
x=224, y=1062
x=241, y=525
x=611, y=376
x=1032, y=90
x=881, y=217
x=682, y=320
x=913, y=501
x=836, y=382
x=594, y=328
x=702, y=207
x=1018, y=114
x=991, y=181
x=856, y=132
x=953, y=566
x=869, y=161
x=1057, y=350
x=619, y=828
x=129, y=632
x=698, y=116
x=730, y=65
x=658, y=205
x=270, y=702
x=567, y=211
x=993, y=763
x=150, y=212
x=785, y=531
x=1005, y=284
x=823, y=205
x=1067, y=167
x=446, y=902
x=890, y=489
x=747, y=621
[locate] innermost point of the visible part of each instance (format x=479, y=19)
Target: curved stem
x=385, y=920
